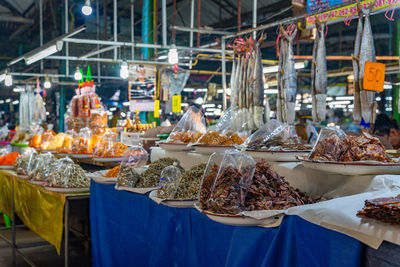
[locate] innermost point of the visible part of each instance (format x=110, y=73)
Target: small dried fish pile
x=384, y=209
x=169, y=182
x=70, y=176
x=319, y=75
x=43, y=165
x=151, y=176
x=247, y=85
x=287, y=77
x=266, y=191
x=350, y=148
x=190, y=182
x=24, y=163
x=269, y=191
x=127, y=176
x=364, y=50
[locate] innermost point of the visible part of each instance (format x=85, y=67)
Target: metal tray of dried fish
x=176, y=203
x=209, y=149
x=37, y=182
x=175, y=146
x=141, y=191
x=242, y=220
x=23, y=177
x=352, y=168
x=80, y=156
x=7, y=167
x=68, y=190
x=110, y=159
x=277, y=155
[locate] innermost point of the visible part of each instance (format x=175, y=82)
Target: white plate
x=352, y=168
x=63, y=154
x=281, y=156
x=239, y=220
x=68, y=190
x=37, y=182
x=7, y=167
x=174, y=146
x=209, y=149
x=176, y=203
x=141, y=191
x=110, y=159
x=80, y=156
x=23, y=177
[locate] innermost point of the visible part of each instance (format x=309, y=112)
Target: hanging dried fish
x=258, y=87
x=356, y=82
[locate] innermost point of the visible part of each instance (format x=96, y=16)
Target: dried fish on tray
x=384, y=209
x=68, y=175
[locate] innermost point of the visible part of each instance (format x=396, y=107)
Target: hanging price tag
x=157, y=109
x=176, y=103
x=374, y=76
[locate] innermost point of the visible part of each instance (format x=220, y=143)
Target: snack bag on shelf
x=226, y=181
x=57, y=141
x=98, y=121
x=329, y=145
x=273, y=133
x=169, y=182
x=134, y=157
x=46, y=139
x=82, y=143
x=24, y=163
x=190, y=128
x=66, y=146
x=109, y=146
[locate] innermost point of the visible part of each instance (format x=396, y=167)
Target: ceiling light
x=273, y=69
x=41, y=53
x=87, y=9
x=78, y=74
x=124, y=72
x=16, y=102
x=8, y=100
x=173, y=55
x=47, y=83
x=1, y=101
x=8, y=80
x=17, y=90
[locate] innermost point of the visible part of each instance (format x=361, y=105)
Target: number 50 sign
x=374, y=76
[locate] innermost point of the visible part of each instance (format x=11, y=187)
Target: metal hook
x=387, y=11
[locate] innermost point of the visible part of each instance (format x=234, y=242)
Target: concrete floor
x=44, y=255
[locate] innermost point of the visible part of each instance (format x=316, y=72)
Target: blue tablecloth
x=129, y=229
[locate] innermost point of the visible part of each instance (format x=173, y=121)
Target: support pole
x=41, y=29
x=174, y=23
x=198, y=20
x=66, y=45
x=115, y=28
x=254, y=18
x=224, y=101
x=191, y=32
x=132, y=29
x=98, y=37
x=164, y=22
x=239, y=15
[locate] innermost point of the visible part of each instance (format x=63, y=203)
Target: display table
x=128, y=228
x=44, y=212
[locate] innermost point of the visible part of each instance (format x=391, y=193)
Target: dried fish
x=190, y=182
x=151, y=176
x=356, y=56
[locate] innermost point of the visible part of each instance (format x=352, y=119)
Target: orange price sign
x=374, y=76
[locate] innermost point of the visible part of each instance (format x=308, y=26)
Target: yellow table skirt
x=40, y=210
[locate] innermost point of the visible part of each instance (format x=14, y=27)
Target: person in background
x=388, y=129
x=115, y=118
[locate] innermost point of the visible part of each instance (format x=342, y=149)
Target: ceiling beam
x=13, y=10
x=16, y=19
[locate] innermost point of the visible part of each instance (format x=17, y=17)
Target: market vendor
x=388, y=129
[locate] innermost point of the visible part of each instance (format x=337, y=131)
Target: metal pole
x=66, y=232
x=98, y=37
x=239, y=15
x=174, y=23
x=198, y=21
x=41, y=29
x=164, y=22
x=66, y=45
x=254, y=18
x=191, y=27
x=115, y=28
x=13, y=231
x=224, y=102
x=133, y=29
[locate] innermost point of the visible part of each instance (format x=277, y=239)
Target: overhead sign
x=346, y=12
x=141, y=105
x=313, y=5
x=157, y=109
x=176, y=103
x=374, y=76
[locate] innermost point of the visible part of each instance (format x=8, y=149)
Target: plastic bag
x=109, y=146
x=66, y=146
x=225, y=182
x=225, y=121
x=43, y=165
x=82, y=143
x=75, y=106
x=329, y=146
x=273, y=133
x=3, y=151
x=134, y=157
x=98, y=119
x=228, y=138
x=67, y=174
x=57, y=141
x=39, y=110
x=190, y=128
x=24, y=163
x=4, y=133
x=312, y=134
x=169, y=182
x=46, y=139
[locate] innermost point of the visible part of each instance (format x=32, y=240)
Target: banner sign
x=347, y=12
x=142, y=105
x=313, y=5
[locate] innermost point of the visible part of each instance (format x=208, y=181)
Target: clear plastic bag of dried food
x=134, y=157
x=189, y=128
x=225, y=182
x=329, y=145
x=43, y=165
x=109, y=145
x=67, y=174
x=24, y=163
x=46, y=139
x=169, y=182
x=225, y=121
x=82, y=143
x=273, y=133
